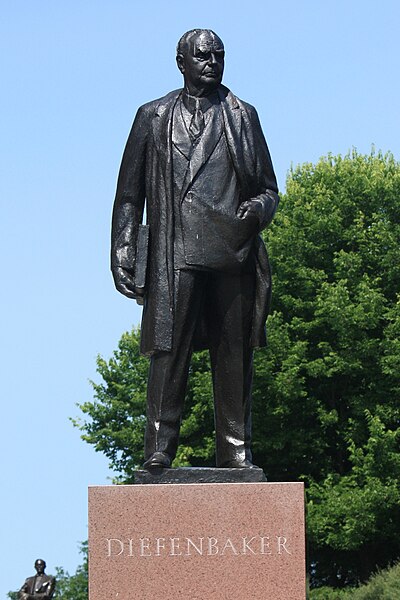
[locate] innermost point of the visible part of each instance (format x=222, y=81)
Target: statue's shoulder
x=233, y=102
x=159, y=104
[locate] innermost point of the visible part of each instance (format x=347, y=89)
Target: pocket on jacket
x=214, y=239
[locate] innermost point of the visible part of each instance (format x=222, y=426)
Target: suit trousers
x=225, y=301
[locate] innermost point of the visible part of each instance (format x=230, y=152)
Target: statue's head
x=200, y=58
x=40, y=566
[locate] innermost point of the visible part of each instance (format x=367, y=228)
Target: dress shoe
x=158, y=460
x=238, y=464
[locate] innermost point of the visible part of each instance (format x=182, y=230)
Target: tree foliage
x=336, y=251
x=73, y=587
x=384, y=585
x=326, y=389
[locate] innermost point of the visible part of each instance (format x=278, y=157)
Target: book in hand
x=142, y=250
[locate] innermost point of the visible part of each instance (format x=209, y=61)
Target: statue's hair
x=40, y=560
x=184, y=41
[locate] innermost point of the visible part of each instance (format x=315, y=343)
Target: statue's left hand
x=251, y=209
x=125, y=283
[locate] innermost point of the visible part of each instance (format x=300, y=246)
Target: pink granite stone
x=241, y=541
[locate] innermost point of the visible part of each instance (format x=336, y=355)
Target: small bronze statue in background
x=198, y=160
x=40, y=586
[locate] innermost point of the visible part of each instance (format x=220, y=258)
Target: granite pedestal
x=197, y=541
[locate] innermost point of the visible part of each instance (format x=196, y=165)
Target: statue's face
x=40, y=566
x=203, y=63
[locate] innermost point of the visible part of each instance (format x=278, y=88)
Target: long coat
x=146, y=176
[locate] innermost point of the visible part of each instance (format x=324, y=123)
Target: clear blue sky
x=324, y=78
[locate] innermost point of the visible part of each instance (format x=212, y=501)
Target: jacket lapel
x=180, y=135
x=232, y=116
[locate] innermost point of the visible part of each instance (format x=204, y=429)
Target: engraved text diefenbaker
x=200, y=546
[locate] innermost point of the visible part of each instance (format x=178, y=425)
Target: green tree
x=326, y=390
x=332, y=377
x=384, y=585
x=73, y=587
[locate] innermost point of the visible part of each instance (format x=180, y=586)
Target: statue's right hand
x=125, y=283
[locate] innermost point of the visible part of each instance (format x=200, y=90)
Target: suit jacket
x=46, y=590
x=146, y=175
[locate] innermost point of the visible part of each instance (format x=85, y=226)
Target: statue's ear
x=180, y=62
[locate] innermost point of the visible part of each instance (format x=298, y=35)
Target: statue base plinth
x=200, y=541
x=200, y=475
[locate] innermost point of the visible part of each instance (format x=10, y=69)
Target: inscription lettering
x=202, y=546
x=282, y=541
x=117, y=543
x=175, y=547
x=246, y=546
x=159, y=545
x=144, y=545
x=228, y=544
x=212, y=546
x=199, y=548
x=265, y=544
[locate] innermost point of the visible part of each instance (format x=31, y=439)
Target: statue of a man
x=40, y=586
x=198, y=160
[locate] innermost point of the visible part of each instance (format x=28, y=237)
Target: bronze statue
x=40, y=586
x=198, y=159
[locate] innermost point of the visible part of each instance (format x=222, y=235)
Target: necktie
x=197, y=123
x=38, y=583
